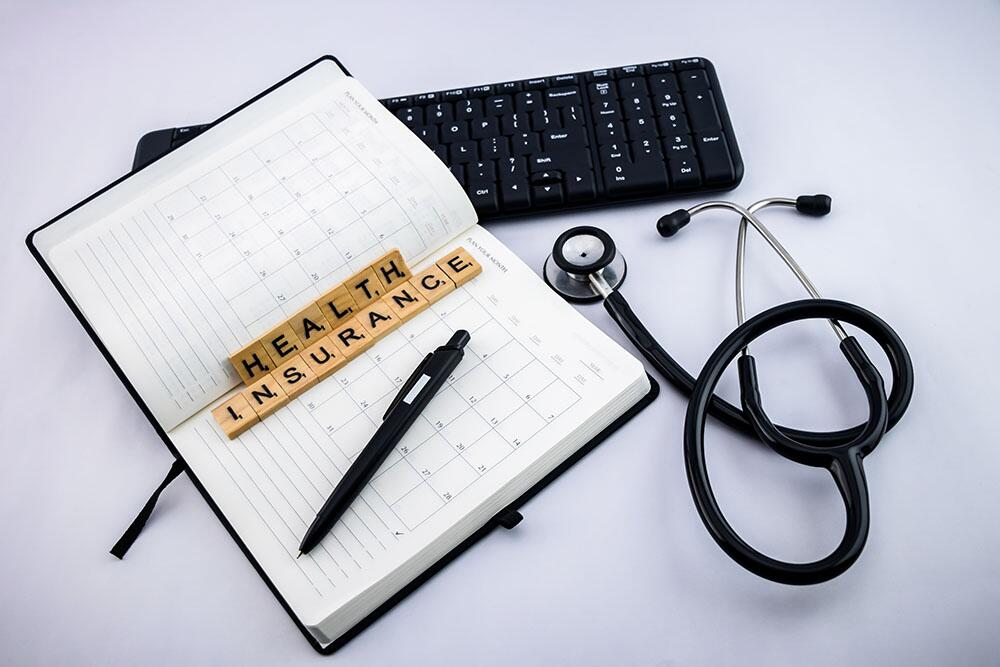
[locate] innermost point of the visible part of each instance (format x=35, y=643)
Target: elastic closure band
x=125, y=542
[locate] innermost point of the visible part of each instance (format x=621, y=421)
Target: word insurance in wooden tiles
x=337, y=327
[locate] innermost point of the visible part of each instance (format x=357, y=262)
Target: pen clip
x=412, y=380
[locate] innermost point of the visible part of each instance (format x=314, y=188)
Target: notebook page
x=534, y=371
x=225, y=246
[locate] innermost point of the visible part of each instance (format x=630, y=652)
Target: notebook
x=176, y=266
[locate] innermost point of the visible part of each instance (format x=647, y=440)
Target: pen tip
x=299, y=556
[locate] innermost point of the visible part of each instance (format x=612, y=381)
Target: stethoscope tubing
x=727, y=413
x=843, y=460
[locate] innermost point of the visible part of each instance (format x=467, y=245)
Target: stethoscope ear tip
x=672, y=223
x=813, y=204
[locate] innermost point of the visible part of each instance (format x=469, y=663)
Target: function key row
x=545, y=82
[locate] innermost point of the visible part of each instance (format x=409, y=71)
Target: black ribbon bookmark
x=125, y=542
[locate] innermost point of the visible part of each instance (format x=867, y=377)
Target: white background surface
x=891, y=108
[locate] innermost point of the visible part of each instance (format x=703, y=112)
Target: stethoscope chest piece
x=584, y=265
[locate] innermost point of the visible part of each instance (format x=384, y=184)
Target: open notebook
x=182, y=263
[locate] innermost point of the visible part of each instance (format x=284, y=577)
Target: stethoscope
x=585, y=266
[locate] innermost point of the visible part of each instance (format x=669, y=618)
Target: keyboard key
x=565, y=140
x=689, y=63
x=573, y=117
x=428, y=134
x=684, y=170
x=394, y=103
x=635, y=85
x=514, y=167
x=673, y=123
x=716, y=165
x=701, y=111
x=675, y=144
x=602, y=90
x=469, y=109
x=482, y=171
x=508, y=87
x=599, y=75
x=636, y=106
x=664, y=83
x=646, y=148
x=441, y=152
x=483, y=128
x=425, y=98
x=499, y=105
x=514, y=123
x=615, y=153
x=494, y=148
x=563, y=97
x=411, y=116
x=606, y=110
x=547, y=195
x=546, y=177
x=442, y=112
x=609, y=132
x=635, y=178
x=484, y=197
x=579, y=186
x=542, y=119
x=458, y=171
x=696, y=79
x=452, y=132
x=565, y=79
x=529, y=100
x=453, y=95
x=481, y=91
x=667, y=103
x=525, y=143
x=628, y=71
x=541, y=162
x=660, y=67
x=536, y=84
x=642, y=128
x=463, y=152
x=515, y=194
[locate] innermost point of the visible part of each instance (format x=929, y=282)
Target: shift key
x=713, y=153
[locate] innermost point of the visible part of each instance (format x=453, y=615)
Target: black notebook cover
x=509, y=516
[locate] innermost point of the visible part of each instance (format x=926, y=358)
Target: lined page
x=534, y=371
x=230, y=245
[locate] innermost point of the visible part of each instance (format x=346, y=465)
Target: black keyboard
x=568, y=141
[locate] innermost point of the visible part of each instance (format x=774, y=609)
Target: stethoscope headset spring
x=585, y=266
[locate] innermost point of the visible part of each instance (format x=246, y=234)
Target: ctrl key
x=484, y=197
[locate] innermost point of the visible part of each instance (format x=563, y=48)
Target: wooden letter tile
x=364, y=287
x=433, y=283
x=337, y=305
x=295, y=376
x=252, y=362
x=281, y=343
x=310, y=325
x=265, y=396
x=235, y=415
x=406, y=301
x=379, y=319
x=391, y=270
x=460, y=266
x=352, y=339
x=324, y=357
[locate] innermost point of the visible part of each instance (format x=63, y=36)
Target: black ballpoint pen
x=415, y=394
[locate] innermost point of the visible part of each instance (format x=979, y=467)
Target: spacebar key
x=716, y=165
x=635, y=178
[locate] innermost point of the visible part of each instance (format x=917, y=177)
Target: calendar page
x=239, y=233
x=532, y=387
